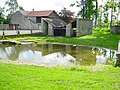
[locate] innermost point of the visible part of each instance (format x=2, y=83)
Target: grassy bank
x=24, y=77
x=100, y=37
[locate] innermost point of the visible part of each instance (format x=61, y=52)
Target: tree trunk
x=96, y=13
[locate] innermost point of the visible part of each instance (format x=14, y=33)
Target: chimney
x=33, y=9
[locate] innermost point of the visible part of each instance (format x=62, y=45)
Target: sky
x=38, y=5
x=56, y=5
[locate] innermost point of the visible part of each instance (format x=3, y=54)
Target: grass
x=24, y=77
x=100, y=37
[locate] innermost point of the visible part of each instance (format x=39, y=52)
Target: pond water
x=57, y=55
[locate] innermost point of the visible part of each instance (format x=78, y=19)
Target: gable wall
x=53, y=15
x=24, y=22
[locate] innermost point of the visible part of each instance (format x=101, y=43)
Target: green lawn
x=100, y=37
x=24, y=77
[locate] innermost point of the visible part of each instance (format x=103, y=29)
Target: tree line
x=105, y=15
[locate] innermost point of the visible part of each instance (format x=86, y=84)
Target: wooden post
x=31, y=31
x=18, y=32
x=3, y=34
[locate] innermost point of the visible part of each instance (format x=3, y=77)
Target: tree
x=96, y=12
x=87, y=10
x=114, y=6
x=11, y=6
x=118, y=13
x=1, y=15
x=1, y=12
x=66, y=15
x=105, y=13
x=100, y=12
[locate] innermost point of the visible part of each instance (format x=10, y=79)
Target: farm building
x=31, y=19
x=50, y=24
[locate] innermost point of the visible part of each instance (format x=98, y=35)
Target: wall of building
x=115, y=29
x=53, y=15
x=69, y=30
x=50, y=30
x=44, y=26
x=4, y=26
x=84, y=27
x=33, y=19
x=23, y=22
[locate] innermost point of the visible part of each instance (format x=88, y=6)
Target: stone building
x=82, y=27
x=31, y=19
x=53, y=27
x=50, y=24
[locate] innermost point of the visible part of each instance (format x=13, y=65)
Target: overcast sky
x=56, y=5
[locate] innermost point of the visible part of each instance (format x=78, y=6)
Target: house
x=31, y=19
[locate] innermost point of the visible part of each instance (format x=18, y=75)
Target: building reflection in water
x=56, y=54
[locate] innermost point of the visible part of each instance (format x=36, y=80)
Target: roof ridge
x=43, y=12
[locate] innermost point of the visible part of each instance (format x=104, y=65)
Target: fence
x=4, y=33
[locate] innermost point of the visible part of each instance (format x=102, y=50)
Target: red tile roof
x=40, y=13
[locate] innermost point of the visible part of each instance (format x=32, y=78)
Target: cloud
x=45, y=4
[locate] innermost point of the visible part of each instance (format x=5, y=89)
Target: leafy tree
x=11, y=6
x=1, y=15
x=118, y=12
x=105, y=13
x=87, y=10
x=66, y=15
x=21, y=8
x=1, y=12
x=81, y=5
x=111, y=5
x=100, y=12
x=96, y=12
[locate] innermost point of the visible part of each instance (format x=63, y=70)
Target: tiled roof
x=40, y=13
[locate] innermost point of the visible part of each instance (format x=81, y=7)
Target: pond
x=57, y=55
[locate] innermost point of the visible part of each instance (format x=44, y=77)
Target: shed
x=56, y=27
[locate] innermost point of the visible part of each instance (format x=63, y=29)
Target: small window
x=38, y=19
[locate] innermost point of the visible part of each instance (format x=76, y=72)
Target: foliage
x=114, y=7
x=66, y=15
x=1, y=12
x=96, y=12
x=87, y=10
x=10, y=7
x=91, y=9
x=2, y=17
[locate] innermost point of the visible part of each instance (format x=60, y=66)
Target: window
x=38, y=19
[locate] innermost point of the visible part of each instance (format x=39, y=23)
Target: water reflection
x=54, y=55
